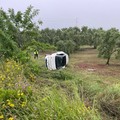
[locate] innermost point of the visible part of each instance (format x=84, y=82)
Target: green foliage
x=108, y=45
x=60, y=45
x=34, y=45
x=97, y=37
x=20, y=100
x=22, y=57
x=70, y=46
x=70, y=39
x=55, y=105
x=15, y=92
x=7, y=46
x=67, y=46
x=61, y=75
x=20, y=26
x=13, y=103
x=53, y=94
x=32, y=70
x=9, y=74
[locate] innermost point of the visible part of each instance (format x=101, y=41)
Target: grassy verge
x=31, y=92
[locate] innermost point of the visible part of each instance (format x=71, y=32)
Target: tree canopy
x=18, y=30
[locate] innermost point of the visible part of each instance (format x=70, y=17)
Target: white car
x=56, y=60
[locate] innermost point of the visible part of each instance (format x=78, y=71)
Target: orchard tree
x=17, y=29
x=77, y=41
x=109, y=44
x=60, y=45
x=98, y=36
x=69, y=46
x=24, y=28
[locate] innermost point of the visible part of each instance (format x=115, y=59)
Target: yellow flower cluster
x=20, y=93
x=1, y=116
x=10, y=104
x=11, y=118
x=32, y=77
x=9, y=73
x=2, y=77
x=23, y=104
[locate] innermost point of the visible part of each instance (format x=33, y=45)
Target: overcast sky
x=69, y=13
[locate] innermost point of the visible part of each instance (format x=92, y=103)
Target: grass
x=79, y=92
x=96, y=82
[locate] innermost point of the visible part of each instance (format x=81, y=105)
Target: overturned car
x=56, y=60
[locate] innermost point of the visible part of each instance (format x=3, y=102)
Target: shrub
x=22, y=57
x=10, y=74
x=15, y=91
x=31, y=70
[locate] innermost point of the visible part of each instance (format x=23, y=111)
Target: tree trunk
x=95, y=47
x=108, y=60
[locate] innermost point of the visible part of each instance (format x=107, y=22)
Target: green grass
x=73, y=93
x=96, y=86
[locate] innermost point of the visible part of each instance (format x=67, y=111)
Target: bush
x=22, y=57
x=10, y=74
x=31, y=70
x=15, y=91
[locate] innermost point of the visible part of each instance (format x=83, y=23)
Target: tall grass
x=56, y=105
x=109, y=101
x=22, y=99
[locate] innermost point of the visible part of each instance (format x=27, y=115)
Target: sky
x=69, y=13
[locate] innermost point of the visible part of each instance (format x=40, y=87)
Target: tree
x=7, y=46
x=24, y=28
x=69, y=47
x=109, y=44
x=17, y=29
x=97, y=36
x=77, y=41
x=60, y=45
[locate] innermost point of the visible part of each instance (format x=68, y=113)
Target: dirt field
x=88, y=60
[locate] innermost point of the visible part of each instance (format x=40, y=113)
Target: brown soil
x=101, y=69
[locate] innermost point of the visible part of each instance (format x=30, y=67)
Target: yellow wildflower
x=18, y=68
x=20, y=94
x=23, y=104
x=8, y=100
x=1, y=116
x=9, y=84
x=11, y=118
x=11, y=105
x=8, y=103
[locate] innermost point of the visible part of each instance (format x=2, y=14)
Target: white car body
x=56, y=60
